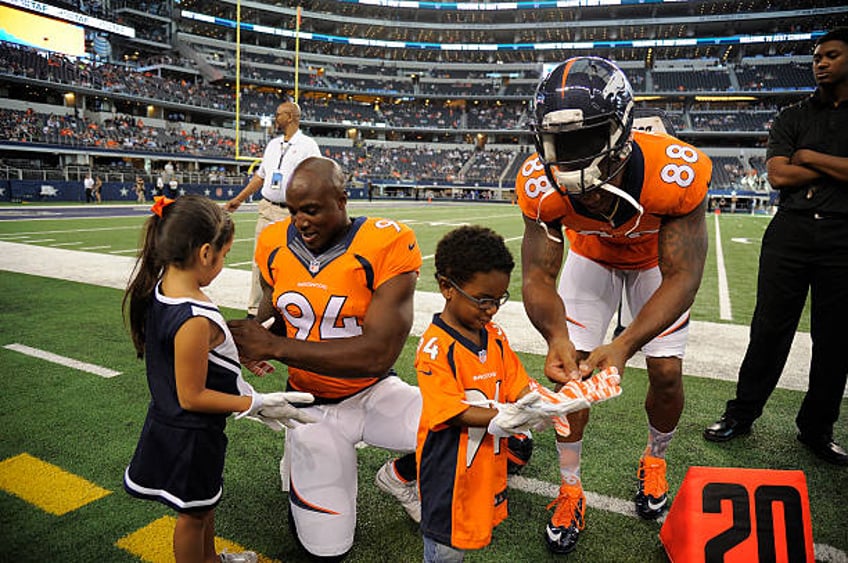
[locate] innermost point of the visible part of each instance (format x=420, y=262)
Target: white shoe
x=238, y=557
x=406, y=493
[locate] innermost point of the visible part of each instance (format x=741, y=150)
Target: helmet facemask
x=580, y=157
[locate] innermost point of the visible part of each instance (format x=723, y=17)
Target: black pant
x=800, y=253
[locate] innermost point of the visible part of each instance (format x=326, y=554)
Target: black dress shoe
x=825, y=448
x=726, y=428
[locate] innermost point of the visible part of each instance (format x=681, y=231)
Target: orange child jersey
x=665, y=175
x=462, y=470
x=327, y=296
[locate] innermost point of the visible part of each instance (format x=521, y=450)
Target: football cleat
x=652, y=497
x=564, y=527
x=388, y=481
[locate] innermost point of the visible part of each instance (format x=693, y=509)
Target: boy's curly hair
x=468, y=250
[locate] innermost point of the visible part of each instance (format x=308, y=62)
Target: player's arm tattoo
x=683, y=246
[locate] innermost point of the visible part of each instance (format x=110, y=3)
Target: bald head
x=319, y=174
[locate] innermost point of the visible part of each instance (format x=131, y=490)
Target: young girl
x=193, y=372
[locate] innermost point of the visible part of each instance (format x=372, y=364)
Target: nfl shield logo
x=482, y=355
x=314, y=266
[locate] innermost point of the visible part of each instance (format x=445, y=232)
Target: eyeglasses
x=484, y=302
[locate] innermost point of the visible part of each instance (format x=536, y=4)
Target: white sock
x=569, y=461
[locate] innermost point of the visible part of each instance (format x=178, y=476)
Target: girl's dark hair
x=465, y=251
x=173, y=239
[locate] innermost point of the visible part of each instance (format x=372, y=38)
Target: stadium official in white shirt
x=282, y=155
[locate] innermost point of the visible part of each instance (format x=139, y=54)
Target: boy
x=475, y=392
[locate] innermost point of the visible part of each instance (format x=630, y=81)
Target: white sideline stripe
x=101, y=247
x=715, y=350
x=724, y=311
x=823, y=551
x=62, y=360
x=58, y=244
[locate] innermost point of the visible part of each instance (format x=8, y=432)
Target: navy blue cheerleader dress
x=179, y=459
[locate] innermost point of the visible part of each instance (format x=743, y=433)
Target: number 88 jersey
x=667, y=177
x=326, y=296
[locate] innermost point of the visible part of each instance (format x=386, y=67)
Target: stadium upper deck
x=382, y=78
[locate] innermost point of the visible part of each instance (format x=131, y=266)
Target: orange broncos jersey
x=462, y=470
x=665, y=175
x=326, y=296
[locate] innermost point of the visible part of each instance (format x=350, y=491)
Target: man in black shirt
x=804, y=249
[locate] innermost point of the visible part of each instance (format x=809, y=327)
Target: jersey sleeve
x=677, y=175
x=537, y=198
x=401, y=252
x=442, y=394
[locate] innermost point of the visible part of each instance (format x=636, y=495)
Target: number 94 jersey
x=666, y=176
x=326, y=296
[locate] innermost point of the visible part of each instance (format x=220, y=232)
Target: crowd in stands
x=421, y=164
x=117, y=79
x=122, y=132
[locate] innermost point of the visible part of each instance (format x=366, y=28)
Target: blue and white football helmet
x=583, y=117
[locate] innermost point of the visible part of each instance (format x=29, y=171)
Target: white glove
x=518, y=417
x=275, y=409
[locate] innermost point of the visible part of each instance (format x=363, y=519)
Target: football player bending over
x=632, y=205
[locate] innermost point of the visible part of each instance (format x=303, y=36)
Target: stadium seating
x=172, y=96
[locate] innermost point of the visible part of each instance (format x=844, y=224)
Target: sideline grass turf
x=88, y=426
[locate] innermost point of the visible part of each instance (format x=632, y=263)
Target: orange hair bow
x=160, y=203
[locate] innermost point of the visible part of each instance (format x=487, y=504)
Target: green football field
x=68, y=430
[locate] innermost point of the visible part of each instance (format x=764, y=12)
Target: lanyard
x=286, y=145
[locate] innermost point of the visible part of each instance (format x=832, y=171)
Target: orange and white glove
x=559, y=405
x=605, y=384
x=579, y=395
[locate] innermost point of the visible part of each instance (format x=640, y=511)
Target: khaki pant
x=268, y=213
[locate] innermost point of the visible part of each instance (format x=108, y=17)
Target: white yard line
x=724, y=311
x=62, y=360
